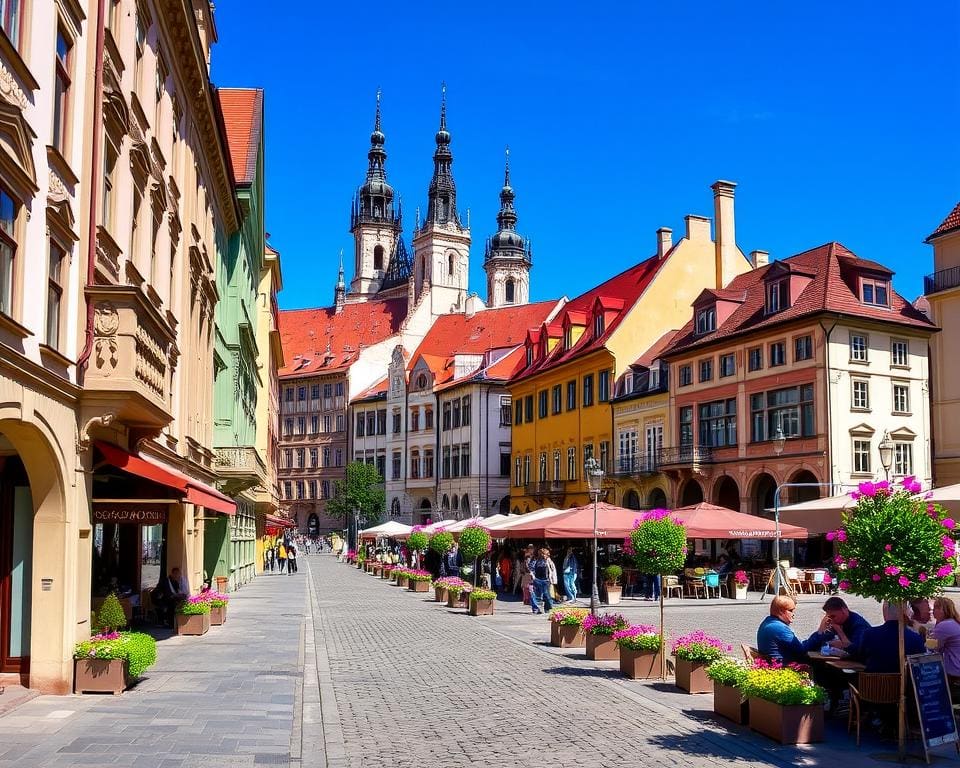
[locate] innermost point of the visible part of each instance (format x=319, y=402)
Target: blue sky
x=838, y=122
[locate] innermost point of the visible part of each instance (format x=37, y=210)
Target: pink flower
x=910, y=484
x=827, y=579
x=831, y=535
x=883, y=487
x=888, y=547
x=944, y=570
x=844, y=585
x=854, y=495
x=948, y=523
x=841, y=535
x=922, y=576
x=867, y=489
x=839, y=560
x=876, y=577
x=853, y=563
x=903, y=581
x=891, y=570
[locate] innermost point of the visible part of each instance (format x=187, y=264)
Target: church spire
x=374, y=199
x=340, y=290
x=442, y=195
x=508, y=255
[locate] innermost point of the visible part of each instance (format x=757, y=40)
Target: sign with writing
x=934, y=704
x=132, y=513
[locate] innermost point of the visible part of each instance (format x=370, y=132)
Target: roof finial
x=443, y=105
x=506, y=168
x=376, y=125
x=340, y=281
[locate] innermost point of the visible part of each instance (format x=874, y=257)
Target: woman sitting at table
x=947, y=634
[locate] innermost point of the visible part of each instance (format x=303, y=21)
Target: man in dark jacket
x=879, y=649
x=453, y=561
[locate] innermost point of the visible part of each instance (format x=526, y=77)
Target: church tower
x=374, y=223
x=441, y=245
x=508, y=256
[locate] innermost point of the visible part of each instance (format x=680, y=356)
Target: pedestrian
x=544, y=574
x=571, y=569
x=271, y=558
x=453, y=561
x=281, y=557
x=292, y=559
x=526, y=579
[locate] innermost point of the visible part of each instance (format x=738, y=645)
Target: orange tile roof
x=376, y=392
x=833, y=288
x=656, y=349
x=627, y=287
x=317, y=341
x=948, y=224
x=242, y=110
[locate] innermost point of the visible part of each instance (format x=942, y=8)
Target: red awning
x=193, y=490
x=279, y=522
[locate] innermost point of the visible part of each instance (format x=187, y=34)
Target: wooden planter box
x=100, y=676
x=402, y=581
x=481, y=607
x=377, y=568
x=692, y=677
x=567, y=635
x=419, y=586
x=602, y=648
x=729, y=703
x=457, y=601
x=640, y=665
x=613, y=594
x=218, y=616
x=384, y=573
x=198, y=624
x=440, y=594
x=795, y=724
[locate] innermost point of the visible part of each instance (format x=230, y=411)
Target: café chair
x=750, y=654
x=671, y=584
x=793, y=578
x=871, y=688
x=696, y=586
x=711, y=581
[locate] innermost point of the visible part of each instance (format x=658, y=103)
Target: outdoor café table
x=845, y=665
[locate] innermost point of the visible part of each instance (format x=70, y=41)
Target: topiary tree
x=441, y=542
x=111, y=617
x=475, y=541
x=418, y=540
x=658, y=545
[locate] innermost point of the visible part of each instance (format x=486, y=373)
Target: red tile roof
x=507, y=366
x=377, y=392
x=656, y=349
x=242, y=110
x=950, y=223
x=834, y=288
x=490, y=329
x=627, y=287
x=319, y=340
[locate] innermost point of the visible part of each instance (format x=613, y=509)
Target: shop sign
x=134, y=514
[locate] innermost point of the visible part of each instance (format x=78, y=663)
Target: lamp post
x=779, y=441
x=594, y=473
x=886, y=454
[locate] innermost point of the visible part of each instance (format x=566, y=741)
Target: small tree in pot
x=611, y=582
x=417, y=543
x=475, y=542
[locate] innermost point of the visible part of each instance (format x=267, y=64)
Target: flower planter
x=613, y=594
x=567, y=635
x=402, y=581
x=100, y=676
x=640, y=665
x=602, y=648
x=419, y=586
x=481, y=608
x=384, y=574
x=218, y=615
x=728, y=702
x=457, y=601
x=377, y=569
x=691, y=676
x=440, y=594
x=794, y=724
x=740, y=592
x=197, y=624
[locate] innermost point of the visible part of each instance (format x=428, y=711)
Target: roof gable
x=949, y=224
x=242, y=110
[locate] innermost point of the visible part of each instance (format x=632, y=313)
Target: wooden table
x=846, y=665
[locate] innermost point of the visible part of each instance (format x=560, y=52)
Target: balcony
x=134, y=353
x=943, y=280
x=240, y=469
x=638, y=465
x=685, y=457
x=547, y=489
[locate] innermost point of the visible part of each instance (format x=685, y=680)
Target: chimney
x=759, y=258
x=698, y=227
x=664, y=241
x=725, y=241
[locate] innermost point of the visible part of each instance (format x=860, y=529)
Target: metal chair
x=872, y=688
x=711, y=581
x=671, y=584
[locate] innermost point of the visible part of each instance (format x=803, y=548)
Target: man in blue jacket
x=776, y=640
x=840, y=627
x=879, y=649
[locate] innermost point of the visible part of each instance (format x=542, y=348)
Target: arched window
x=395, y=508
x=509, y=291
x=456, y=502
x=378, y=257
x=445, y=503
x=450, y=264
x=465, y=503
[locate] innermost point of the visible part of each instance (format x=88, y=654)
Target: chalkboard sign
x=932, y=693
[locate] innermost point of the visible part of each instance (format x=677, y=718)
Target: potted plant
x=218, y=607
x=611, y=582
x=457, y=595
x=482, y=602
x=417, y=543
x=784, y=703
x=693, y=653
x=639, y=647
x=441, y=542
x=599, y=631
x=418, y=581
x=474, y=541
x=728, y=675
x=403, y=576
x=385, y=571
x=740, y=583
x=377, y=568
x=110, y=661
x=566, y=627
x=441, y=585
x=193, y=616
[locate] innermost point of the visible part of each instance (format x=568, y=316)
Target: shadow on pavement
x=582, y=672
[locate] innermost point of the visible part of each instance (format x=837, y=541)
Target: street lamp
x=594, y=473
x=779, y=441
x=886, y=454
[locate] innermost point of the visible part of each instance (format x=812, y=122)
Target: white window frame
x=899, y=344
x=902, y=459
x=901, y=387
x=860, y=394
x=859, y=348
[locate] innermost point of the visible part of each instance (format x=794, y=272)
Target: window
x=465, y=417
x=519, y=414
x=456, y=414
x=455, y=461
x=140, y=38
x=109, y=168
x=288, y=426
x=396, y=422
x=557, y=400
x=728, y=365
x=54, y=293
x=528, y=408
x=326, y=457
x=288, y=395
x=571, y=395
x=588, y=390
x=395, y=466
x=446, y=462
x=324, y=489
x=529, y=356
x=542, y=404
x=428, y=463
x=301, y=394
x=301, y=425
x=861, y=394
x=465, y=460
x=509, y=291
x=876, y=292
x=314, y=391
x=603, y=386
x=902, y=459
x=288, y=458
x=382, y=465
x=361, y=424
x=706, y=321
x=10, y=18
x=415, y=464
x=755, y=359
x=340, y=422
x=299, y=489
x=901, y=397
x=300, y=457
x=339, y=389
x=328, y=391
x=311, y=489
x=314, y=456
x=778, y=296
x=506, y=411
x=338, y=456
x=61, y=91
x=598, y=326
x=288, y=490
x=803, y=348
x=504, y=464
x=414, y=419
x=450, y=264
x=706, y=370
x=790, y=409
x=587, y=452
x=718, y=423
x=604, y=455
x=446, y=416
x=543, y=468
x=571, y=463
x=315, y=424
x=858, y=348
x=556, y=465
x=519, y=476
x=861, y=456
x=778, y=354
x=428, y=418
x=378, y=257
x=686, y=425
x=900, y=353
x=371, y=423
x=686, y=375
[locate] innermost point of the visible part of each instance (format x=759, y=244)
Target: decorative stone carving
x=10, y=89
x=56, y=189
x=106, y=320
x=83, y=438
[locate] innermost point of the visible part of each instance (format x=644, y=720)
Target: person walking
x=281, y=556
x=570, y=570
x=544, y=573
x=292, y=559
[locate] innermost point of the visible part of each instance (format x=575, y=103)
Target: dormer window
x=598, y=326
x=778, y=296
x=706, y=321
x=530, y=355
x=567, y=337
x=876, y=292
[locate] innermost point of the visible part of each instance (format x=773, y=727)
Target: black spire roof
x=507, y=243
x=374, y=199
x=442, y=195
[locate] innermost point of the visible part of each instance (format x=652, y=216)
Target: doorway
x=16, y=559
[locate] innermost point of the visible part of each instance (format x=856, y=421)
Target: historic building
x=561, y=396
x=817, y=348
x=942, y=291
x=508, y=255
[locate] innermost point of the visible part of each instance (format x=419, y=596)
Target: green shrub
x=418, y=540
x=441, y=542
x=111, y=614
x=612, y=574
x=482, y=594
x=727, y=671
x=782, y=686
x=474, y=541
x=139, y=650
x=194, y=606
